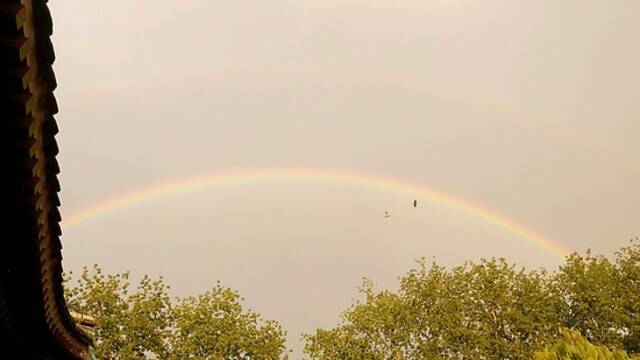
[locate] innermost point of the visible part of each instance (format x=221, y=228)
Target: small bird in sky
x=415, y=203
x=387, y=214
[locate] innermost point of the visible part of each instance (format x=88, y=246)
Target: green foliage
x=490, y=310
x=628, y=263
x=214, y=326
x=130, y=325
x=573, y=346
x=145, y=324
x=589, y=287
x=480, y=310
x=602, y=298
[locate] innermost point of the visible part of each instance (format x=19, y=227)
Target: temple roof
x=34, y=320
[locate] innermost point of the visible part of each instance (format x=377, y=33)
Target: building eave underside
x=34, y=320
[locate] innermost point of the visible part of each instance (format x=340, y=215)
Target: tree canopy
x=572, y=346
x=489, y=309
x=214, y=326
x=147, y=324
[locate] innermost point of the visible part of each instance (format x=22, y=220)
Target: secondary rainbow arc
x=227, y=178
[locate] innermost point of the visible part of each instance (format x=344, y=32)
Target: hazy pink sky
x=529, y=108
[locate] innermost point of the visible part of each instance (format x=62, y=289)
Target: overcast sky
x=528, y=108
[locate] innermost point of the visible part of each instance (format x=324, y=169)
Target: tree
x=590, y=288
x=374, y=329
x=214, y=326
x=573, y=346
x=145, y=324
x=488, y=309
x=603, y=297
x=130, y=326
x=491, y=310
x=484, y=310
x=628, y=263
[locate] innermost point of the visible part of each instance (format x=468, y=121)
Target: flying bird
x=415, y=203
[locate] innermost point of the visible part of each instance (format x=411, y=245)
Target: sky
x=527, y=109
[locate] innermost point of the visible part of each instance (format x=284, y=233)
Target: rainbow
x=300, y=174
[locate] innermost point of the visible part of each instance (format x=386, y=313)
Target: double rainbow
x=298, y=174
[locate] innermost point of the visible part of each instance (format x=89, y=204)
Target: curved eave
x=34, y=320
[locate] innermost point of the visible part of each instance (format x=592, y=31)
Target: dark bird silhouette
x=415, y=203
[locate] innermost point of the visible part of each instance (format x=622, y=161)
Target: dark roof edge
x=38, y=105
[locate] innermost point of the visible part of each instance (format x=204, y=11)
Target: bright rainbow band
x=301, y=174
